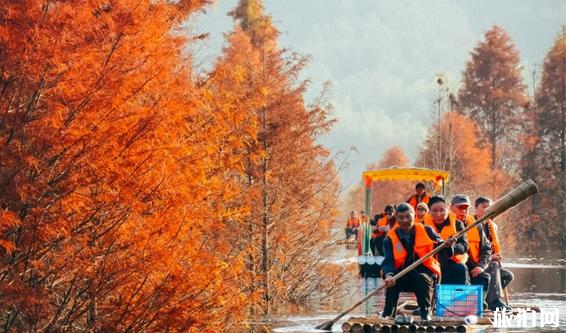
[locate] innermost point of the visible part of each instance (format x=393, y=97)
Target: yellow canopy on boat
x=413, y=174
x=438, y=177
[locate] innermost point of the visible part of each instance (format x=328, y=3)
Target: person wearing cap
x=405, y=243
x=454, y=270
x=382, y=226
x=419, y=196
x=479, y=248
x=460, y=206
x=500, y=277
x=422, y=210
x=352, y=225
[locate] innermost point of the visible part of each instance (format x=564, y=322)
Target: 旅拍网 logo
x=526, y=317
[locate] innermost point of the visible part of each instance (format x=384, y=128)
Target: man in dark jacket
x=403, y=245
x=454, y=270
x=499, y=277
x=479, y=248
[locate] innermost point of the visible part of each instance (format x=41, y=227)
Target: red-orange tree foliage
x=493, y=95
x=117, y=176
x=458, y=153
x=290, y=179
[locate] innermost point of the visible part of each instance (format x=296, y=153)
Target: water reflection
x=539, y=281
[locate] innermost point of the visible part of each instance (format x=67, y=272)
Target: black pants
x=481, y=279
x=421, y=284
x=351, y=231
x=454, y=273
x=376, y=245
x=506, y=277
x=495, y=291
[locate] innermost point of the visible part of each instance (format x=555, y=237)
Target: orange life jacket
x=383, y=222
x=447, y=231
x=419, y=220
x=493, y=237
x=474, y=240
x=353, y=222
x=423, y=245
x=414, y=200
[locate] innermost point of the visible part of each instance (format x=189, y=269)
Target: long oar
x=511, y=199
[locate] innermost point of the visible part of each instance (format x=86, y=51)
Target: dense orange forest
x=139, y=194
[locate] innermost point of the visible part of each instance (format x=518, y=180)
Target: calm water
x=539, y=280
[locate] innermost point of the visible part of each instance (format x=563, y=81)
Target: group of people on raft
x=409, y=231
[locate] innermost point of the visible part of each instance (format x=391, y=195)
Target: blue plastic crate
x=454, y=300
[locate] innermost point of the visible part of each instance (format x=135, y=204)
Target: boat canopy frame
x=438, y=177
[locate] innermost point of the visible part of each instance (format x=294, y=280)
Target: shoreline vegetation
x=139, y=196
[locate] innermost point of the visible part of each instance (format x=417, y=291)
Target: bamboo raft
x=385, y=325
x=375, y=324
x=350, y=241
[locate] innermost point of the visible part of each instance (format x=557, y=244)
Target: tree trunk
x=265, y=194
x=493, y=140
x=265, y=243
x=562, y=194
x=251, y=264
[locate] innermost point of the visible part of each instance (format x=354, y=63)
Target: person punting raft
x=404, y=244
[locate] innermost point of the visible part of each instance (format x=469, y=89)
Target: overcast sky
x=383, y=57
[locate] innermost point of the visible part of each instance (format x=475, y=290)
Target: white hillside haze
x=383, y=57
